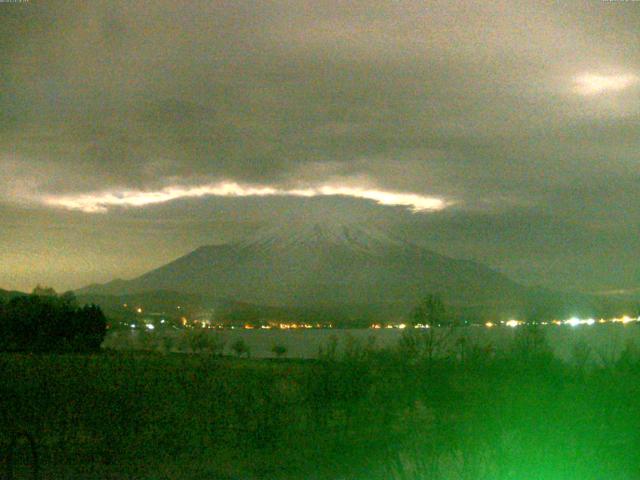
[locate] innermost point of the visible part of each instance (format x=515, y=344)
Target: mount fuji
x=322, y=266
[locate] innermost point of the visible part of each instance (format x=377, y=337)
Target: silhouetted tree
x=196, y=340
x=69, y=298
x=44, y=291
x=430, y=311
x=90, y=328
x=43, y=321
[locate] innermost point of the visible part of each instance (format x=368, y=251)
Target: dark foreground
x=403, y=413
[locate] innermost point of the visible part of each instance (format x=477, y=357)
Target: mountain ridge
x=321, y=265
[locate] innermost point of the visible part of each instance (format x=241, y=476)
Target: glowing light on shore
x=592, y=84
x=574, y=322
x=625, y=319
x=101, y=201
x=513, y=323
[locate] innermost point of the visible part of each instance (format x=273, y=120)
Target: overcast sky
x=505, y=132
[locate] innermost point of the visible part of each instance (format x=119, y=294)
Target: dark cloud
x=474, y=102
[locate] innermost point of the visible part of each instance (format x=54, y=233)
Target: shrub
x=240, y=348
x=279, y=350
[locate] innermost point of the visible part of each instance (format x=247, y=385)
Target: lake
x=604, y=342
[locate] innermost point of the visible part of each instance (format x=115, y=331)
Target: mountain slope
x=322, y=266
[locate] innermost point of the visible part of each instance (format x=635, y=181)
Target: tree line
x=47, y=322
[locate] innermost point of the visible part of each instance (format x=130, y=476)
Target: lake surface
x=604, y=342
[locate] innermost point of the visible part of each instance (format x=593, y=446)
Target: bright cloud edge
x=102, y=201
x=588, y=84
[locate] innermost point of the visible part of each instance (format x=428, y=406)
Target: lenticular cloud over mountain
x=102, y=201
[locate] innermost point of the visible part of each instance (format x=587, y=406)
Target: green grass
x=516, y=414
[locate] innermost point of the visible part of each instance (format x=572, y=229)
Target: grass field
x=400, y=413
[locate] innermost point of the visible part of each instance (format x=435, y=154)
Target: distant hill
x=159, y=300
x=6, y=295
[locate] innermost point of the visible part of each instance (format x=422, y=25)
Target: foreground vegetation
x=430, y=408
